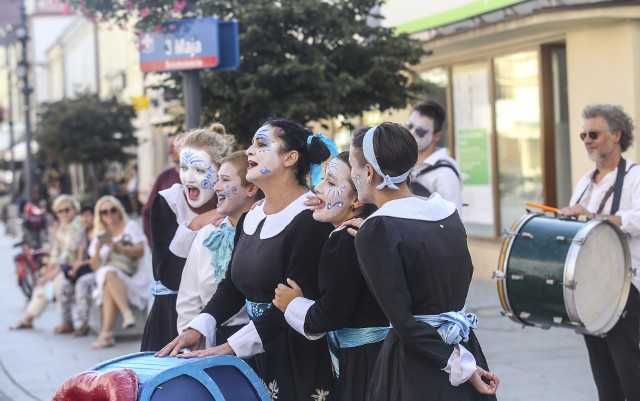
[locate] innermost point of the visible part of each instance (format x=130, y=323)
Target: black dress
x=413, y=254
x=269, y=250
x=346, y=302
x=169, y=210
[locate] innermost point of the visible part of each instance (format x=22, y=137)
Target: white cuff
x=246, y=342
x=296, y=314
x=182, y=240
x=461, y=365
x=206, y=325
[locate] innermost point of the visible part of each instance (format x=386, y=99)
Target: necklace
x=283, y=204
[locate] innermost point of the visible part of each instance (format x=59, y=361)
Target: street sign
x=189, y=44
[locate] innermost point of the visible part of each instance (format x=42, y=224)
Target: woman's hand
x=201, y=220
x=482, y=387
x=313, y=202
x=189, y=339
x=284, y=294
x=224, y=349
x=357, y=222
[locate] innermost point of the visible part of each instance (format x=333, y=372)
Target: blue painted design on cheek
x=337, y=204
x=265, y=170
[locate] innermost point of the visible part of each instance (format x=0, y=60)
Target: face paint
x=357, y=171
x=198, y=175
x=231, y=194
x=334, y=192
x=421, y=128
x=263, y=153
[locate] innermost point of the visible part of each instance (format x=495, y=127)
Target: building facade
x=514, y=77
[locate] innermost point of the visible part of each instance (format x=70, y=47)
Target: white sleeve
x=296, y=313
x=188, y=304
x=182, y=240
x=206, y=325
x=630, y=203
x=461, y=365
x=246, y=342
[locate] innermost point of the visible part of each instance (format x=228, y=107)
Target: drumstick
x=543, y=207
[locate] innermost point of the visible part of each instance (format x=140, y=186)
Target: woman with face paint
x=346, y=310
x=210, y=253
x=176, y=216
x=279, y=240
x=414, y=257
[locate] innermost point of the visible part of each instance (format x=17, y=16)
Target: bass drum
x=564, y=273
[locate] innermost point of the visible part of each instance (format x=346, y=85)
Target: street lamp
x=22, y=35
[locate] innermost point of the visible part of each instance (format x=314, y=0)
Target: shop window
x=517, y=119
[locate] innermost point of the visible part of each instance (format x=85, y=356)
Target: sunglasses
x=593, y=135
x=64, y=210
x=421, y=132
x=105, y=212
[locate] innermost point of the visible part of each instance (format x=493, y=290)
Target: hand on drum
x=575, y=210
x=224, y=349
x=189, y=339
x=480, y=385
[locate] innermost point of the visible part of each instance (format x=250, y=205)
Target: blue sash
x=353, y=337
x=157, y=288
x=256, y=309
x=453, y=327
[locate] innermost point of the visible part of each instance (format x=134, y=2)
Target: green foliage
x=301, y=59
x=85, y=129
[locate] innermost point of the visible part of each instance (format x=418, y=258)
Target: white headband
x=370, y=156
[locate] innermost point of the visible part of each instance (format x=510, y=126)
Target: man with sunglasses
x=435, y=170
x=612, y=192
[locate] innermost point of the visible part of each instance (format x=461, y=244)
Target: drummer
x=612, y=192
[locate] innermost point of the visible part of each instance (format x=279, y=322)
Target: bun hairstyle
x=294, y=137
x=214, y=140
x=395, y=148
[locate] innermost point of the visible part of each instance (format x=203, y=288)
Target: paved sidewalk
x=533, y=364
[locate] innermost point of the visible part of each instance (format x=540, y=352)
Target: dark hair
x=367, y=208
x=434, y=111
x=395, y=148
x=86, y=207
x=239, y=159
x=294, y=137
x=616, y=118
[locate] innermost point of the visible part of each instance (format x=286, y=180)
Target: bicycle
x=28, y=264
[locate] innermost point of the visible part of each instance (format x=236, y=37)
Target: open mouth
x=221, y=198
x=321, y=205
x=193, y=193
x=251, y=165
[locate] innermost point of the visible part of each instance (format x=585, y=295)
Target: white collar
x=178, y=203
x=434, y=208
x=274, y=223
x=337, y=230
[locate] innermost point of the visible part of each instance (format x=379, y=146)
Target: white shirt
x=629, y=210
x=198, y=283
x=441, y=180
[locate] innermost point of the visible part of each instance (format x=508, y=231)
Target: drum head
x=601, y=276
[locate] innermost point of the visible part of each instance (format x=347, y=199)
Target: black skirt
x=162, y=323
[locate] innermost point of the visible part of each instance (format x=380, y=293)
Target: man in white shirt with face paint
x=435, y=170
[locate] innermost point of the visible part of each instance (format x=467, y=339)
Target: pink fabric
x=115, y=385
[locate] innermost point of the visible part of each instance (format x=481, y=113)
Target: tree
x=85, y=129
x=301, y=59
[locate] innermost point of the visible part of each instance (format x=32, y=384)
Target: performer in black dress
x=414, y=257
x=176, y=216
x=355, y=323
x=279, y=240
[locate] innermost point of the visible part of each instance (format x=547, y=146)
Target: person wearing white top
x=607, y=132
x=435, y=170
x=210, y=253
